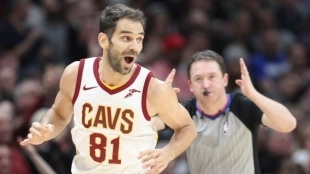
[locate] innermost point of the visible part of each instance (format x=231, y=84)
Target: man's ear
x=190, y=85
x=225, y=78
x=103, y=40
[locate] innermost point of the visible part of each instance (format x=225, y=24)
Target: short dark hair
x=112, y=14
x=208, y=55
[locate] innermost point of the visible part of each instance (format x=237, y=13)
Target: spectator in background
x=173, y=45
x=301, y=156
x=268, y=63
x=290, y=88
x=5, y=159
x=28, y=97
x=159, y=23
x=271, y=160
x=8, y=80
x=24, y=42
x=82, y=19
x=287, y=166
x=40, y=164
x=12, y=158
x=288, y=16
x=55, y=31
x=298, y=61
x=231, y=55
x=19, y=163
x=50, y=78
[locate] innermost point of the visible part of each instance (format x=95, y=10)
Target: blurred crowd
x=38, y=38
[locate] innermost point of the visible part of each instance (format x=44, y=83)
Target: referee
x=227, y=124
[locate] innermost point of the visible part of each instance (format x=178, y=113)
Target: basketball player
x=114, y=103
x=227, y=124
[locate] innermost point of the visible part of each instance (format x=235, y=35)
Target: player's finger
x=37, y=126
x=29, y=136
x=161, y=168
x=43, y=128
x=149, y=157
x=144, y=153
x=149, y=164
x=155, y=169
x=35, y=132
x=24, y=142
x=50, y=127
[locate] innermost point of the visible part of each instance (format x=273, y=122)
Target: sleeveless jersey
x=111, y=126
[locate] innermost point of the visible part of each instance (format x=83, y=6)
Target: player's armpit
x=164, y=103
x=159, y=124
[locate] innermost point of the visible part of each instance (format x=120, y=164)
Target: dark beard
x=115, y=62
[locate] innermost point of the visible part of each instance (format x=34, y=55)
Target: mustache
x=205, y=93
x=130, y=53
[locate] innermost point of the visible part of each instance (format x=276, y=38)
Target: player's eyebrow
x=129, y=32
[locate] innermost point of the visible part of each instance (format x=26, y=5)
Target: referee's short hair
x=207, y=55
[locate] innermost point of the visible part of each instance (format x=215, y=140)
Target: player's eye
x=139, y=40
x=126, y=38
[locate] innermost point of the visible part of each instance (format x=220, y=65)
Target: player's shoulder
x=71, y=69
x=74, y=66
x=69, y=76
x=157, y=89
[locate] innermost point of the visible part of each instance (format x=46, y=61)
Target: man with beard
x=115, y=103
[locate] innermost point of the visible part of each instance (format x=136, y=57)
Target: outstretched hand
x=29, y=148
x=155, y=159
x=38, y=133
x=169, y=80
x=245, y=82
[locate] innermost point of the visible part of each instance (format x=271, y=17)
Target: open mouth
x=128, y=59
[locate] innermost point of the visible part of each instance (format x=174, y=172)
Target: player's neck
x=111, y=77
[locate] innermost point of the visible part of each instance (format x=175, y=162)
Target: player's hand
x=29, y=149
x=169, y=80
x=38, y=133
x=155, y=159
x=245, y=82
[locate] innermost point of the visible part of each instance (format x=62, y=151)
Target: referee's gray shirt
x=227, y=142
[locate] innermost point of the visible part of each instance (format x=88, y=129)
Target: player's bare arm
x=162, y=101
x=59, y=115
x=159, y=124
x=276, y=116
